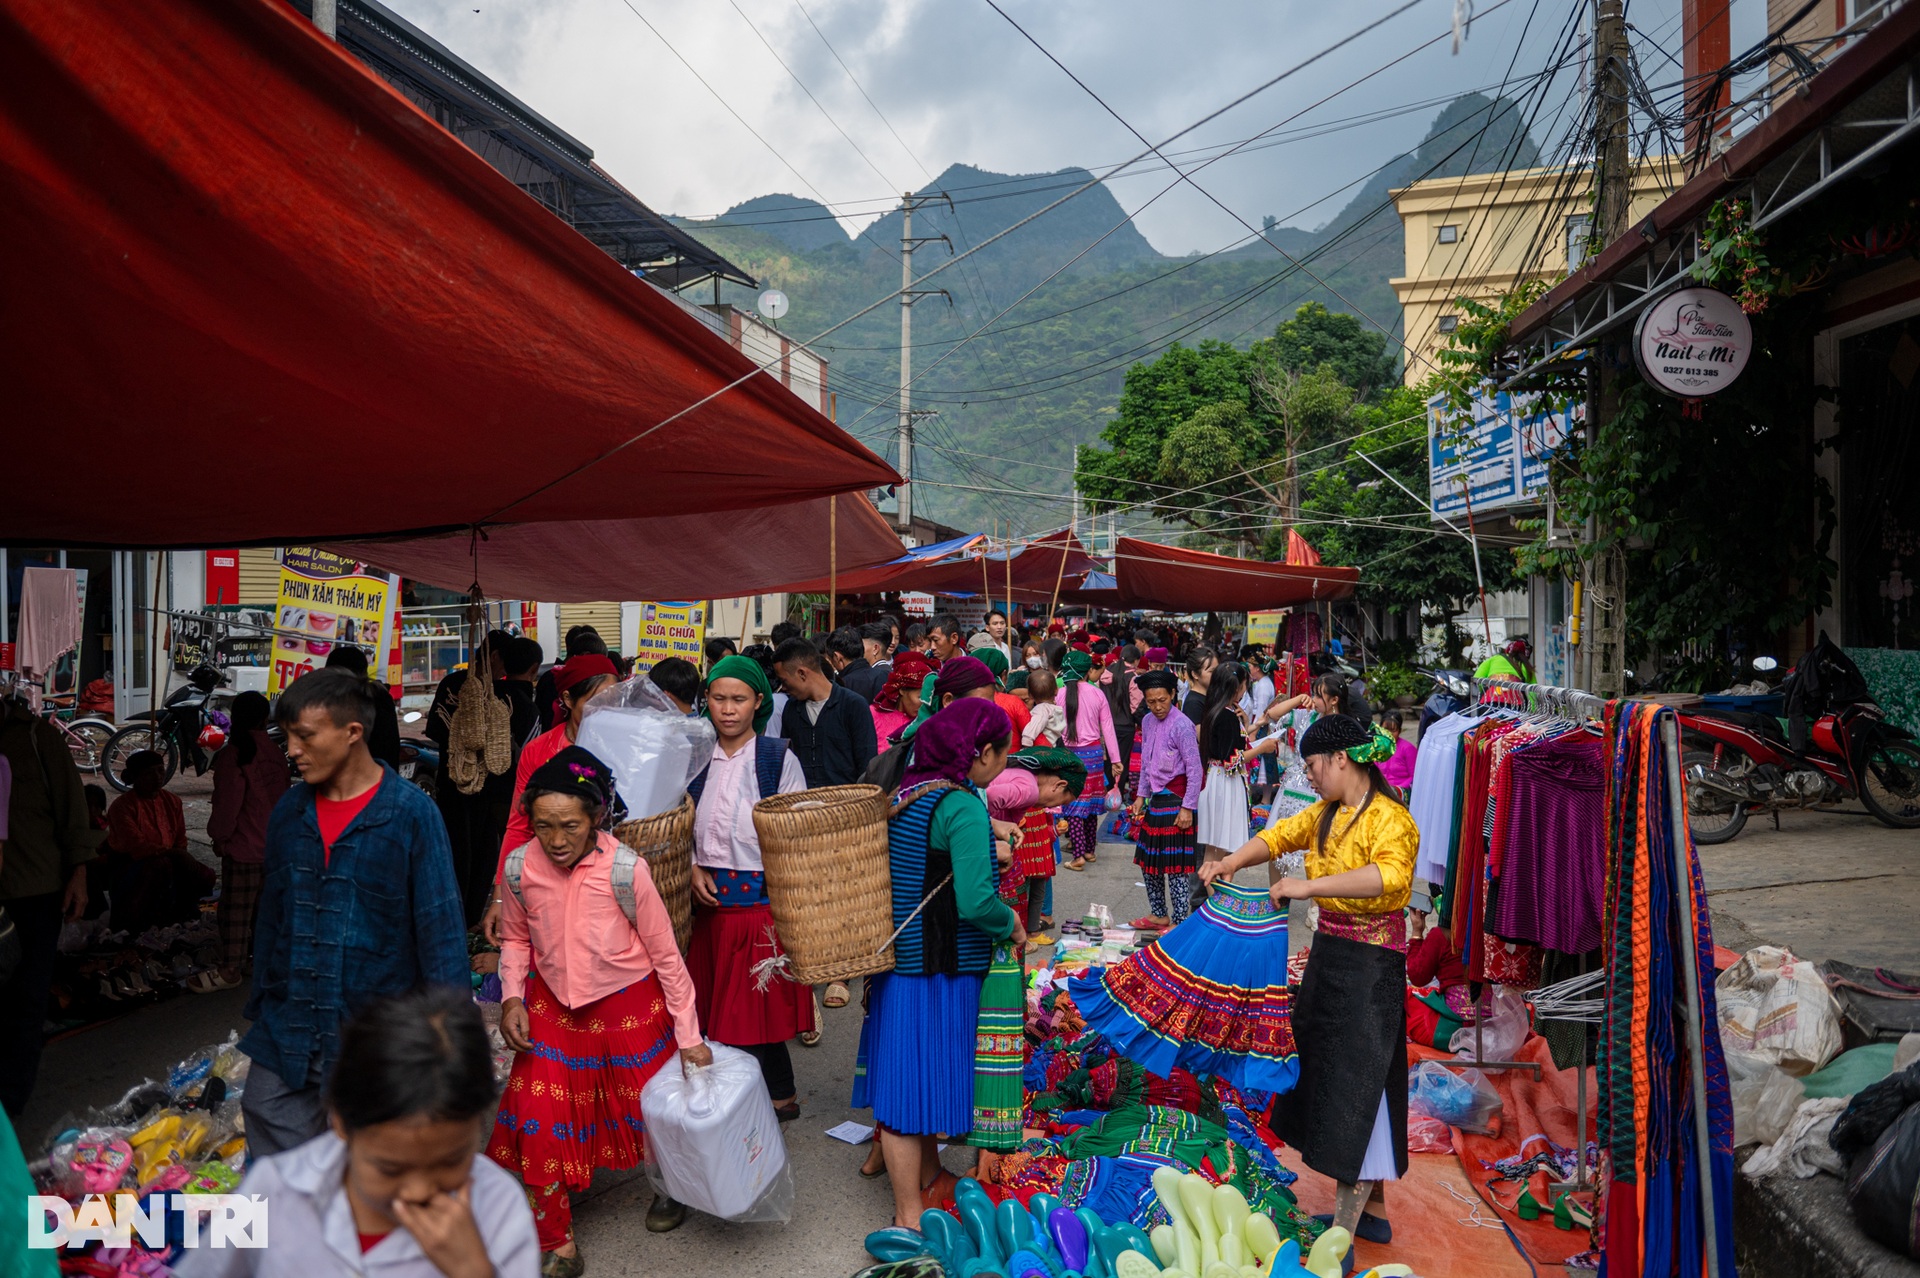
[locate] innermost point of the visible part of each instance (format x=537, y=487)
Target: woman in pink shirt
x=1398, y=770
x=1089, y=734
x=595, y=997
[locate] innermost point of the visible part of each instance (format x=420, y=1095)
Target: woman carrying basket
x=595, y=999
x=733, y=929
x=919, y=1041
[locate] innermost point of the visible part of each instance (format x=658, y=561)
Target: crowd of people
x=345, y=896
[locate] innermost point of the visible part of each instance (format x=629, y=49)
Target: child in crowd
x=1046, y=720
x=397, y=1186
x=1398, y=770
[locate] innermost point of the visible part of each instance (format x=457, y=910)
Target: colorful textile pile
x=1210, y=997
x=1655, y=1211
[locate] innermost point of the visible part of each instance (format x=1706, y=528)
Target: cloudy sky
x=958, y=83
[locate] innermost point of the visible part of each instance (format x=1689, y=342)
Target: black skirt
x=1350, y=1025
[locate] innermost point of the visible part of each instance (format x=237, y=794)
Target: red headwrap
x=581, y=667
x=910, y=670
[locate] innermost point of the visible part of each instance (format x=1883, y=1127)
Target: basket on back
x=666, y=841
x=828, y=880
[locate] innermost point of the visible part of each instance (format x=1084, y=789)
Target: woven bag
x=480, y=730
x=666, y=842
x=829, y=880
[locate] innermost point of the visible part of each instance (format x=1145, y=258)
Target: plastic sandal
x=837, y=995
x=1076, y=864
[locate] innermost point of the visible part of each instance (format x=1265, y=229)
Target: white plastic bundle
x=652, y=748
x=713, y=1141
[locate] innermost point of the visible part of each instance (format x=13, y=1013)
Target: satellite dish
x=773, y=304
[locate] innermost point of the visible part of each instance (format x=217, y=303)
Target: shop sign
x=1693, y=343
x=323, y=600
x=1494, y=456
x=670, y=629
x=1264, y=627
x=223, y=578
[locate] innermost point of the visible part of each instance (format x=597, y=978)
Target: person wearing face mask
x=594, y=997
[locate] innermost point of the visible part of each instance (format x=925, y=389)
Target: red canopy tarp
x=1150, y=575
x=256, y=296
x=705, y=556
x=1036, y=566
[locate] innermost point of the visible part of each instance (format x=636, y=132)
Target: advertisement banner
x=1502, y=453
x=670, y=629
x=1264, y=627
x=324, y=600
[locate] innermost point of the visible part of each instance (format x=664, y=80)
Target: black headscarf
x=574, y=771
x=1334, y=734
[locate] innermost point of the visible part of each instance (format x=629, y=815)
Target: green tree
x=1316, y=336
x=1159, y=398
x=1354, y=515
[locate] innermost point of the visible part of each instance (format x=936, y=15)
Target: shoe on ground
x=1075, y=864
x=838, y=995
x=1372, y=1228
x=555, y=1265
x=788, y=1112
x=665, y=1215
x=1040, y=938
x=811, y=1038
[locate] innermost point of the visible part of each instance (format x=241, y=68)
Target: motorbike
x=181, y=733
x=419, y=755
x=1739, y=762
x=1452, y=691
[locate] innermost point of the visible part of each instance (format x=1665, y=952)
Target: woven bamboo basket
x=666, y=841
x=829, y=880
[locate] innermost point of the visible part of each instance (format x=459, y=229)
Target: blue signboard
x=1502, y=453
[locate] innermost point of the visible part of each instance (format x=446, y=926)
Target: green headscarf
x=994, y=660
x=928, y=704
x=747, y=671
x=1074, y=666
x=1017, y=678
x=1379, y=746
x=1058, y=760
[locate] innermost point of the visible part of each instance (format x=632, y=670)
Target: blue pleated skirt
x=917, y=1053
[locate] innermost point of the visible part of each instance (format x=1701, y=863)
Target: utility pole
x=908, y=295
x=326, y=17
x=1604, y=633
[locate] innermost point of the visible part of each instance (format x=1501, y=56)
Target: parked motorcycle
x=1739, y=762
x=1452, y=691
x=419, y=755
x=180, y=733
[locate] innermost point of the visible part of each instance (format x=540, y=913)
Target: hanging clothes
x=49, y=619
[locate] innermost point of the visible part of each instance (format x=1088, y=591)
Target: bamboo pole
x=833, y=563
x=1008, y=547
x=986, y=590
x=1066, y=547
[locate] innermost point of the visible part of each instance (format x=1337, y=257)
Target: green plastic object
x=895, y=1243
x=1849, y=1072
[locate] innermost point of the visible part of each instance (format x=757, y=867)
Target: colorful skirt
x=1093, y=800
x=573, y=1103
x=1000, y=1055
x=1133, y=767
x=726, y=944
x=1034, y=856
x=1162, y=847
x=1211, y=997
x=918, y=1050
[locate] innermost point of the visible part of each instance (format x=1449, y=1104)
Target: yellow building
x=1482, y=234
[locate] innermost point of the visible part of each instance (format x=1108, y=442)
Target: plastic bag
x=653, y=749
x=1801, y=1150
x=713, y=1141
x=1458, y=1098
x=1764, y=1098
x=1883, y=1182
x=1427, y=1135
x=1503, y=1031
x=1777, y=1007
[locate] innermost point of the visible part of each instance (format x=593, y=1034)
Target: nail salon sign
x=1693, y=343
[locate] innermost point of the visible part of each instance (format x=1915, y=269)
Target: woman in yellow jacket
x=1348, y=1114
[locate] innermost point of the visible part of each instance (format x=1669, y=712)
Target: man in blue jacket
x=359, y=901
x=827, y=725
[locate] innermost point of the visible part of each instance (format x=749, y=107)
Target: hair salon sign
x=1693, y=343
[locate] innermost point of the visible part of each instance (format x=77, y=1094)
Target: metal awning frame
x=1861, y=134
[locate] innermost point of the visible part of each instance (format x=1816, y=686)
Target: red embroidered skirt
x=726, y=944
x=1034, y=856
x=573, y=1103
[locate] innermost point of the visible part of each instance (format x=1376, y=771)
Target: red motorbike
x=1738, y=763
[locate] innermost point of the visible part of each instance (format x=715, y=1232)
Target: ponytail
x=1073, y=711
